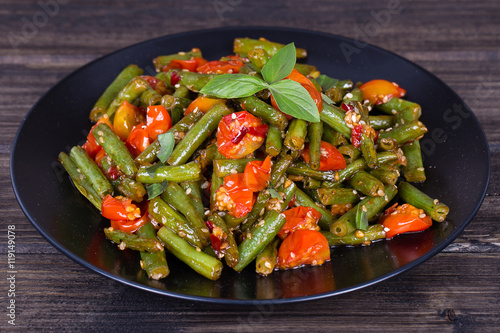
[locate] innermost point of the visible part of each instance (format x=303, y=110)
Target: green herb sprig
x=289, y=95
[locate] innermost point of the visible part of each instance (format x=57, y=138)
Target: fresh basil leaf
x=274, y=194
x=167, y=143
x=280, y=65
x=361, y=218
x=327, y=99
x=155, y=190
x=293, y=99
x=326, y=82
x=233, y=86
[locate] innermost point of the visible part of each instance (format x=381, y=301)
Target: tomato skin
x=404, y=218
x=257, y=174
x=138, y=139
x=119, y=208
x=234, y=196
x=126, y=117
x=91, y=146
x=130, y=226
x=158, y=121
x=112, y=172
x=203, y=104
x=240, y=134
x=298, y=218
x=221, y=67
x=381, y=91
x=191, y=64
x=303, y=247
x=331, y=158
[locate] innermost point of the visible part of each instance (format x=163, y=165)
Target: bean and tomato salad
x=253, y=176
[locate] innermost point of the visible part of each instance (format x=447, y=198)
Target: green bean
x=266, y=112
x=230, y=250
x=412, y=195
x=334, y=117
x=350, y=152
x=206, y=156
x=257, y=211
x=381, y=122
x=131, y=92
x=311, y=183
x=302, y=169
x=274, y=141
x=295, y=137
x=81, y=182
x=150, y=97
x=405, y=133
x=133, y=241
x=131, y=189
x=368, y=151
x=346, y=223
x=314, y=133
x=259, y=236
x=258, y=58
x=326, y=216
x=175, y=173
x=121, y=80
x=395, y=105
x=305, y=69
x=279, y=169
x=337, y=196
x=373, y=233
x=387, y=144
x=193, y=191
x=233, y=222
x=367, y=184
x=267, y=258
x=149, y=154
x=242, y=46
x=155, y=264
x=163, y=213
x=355, y=95
x=161, y=61
x=407, y=115
x=414, y=169
x=333, y=137
x=199, y=261
x=225, y=167
x=178, y=198
x=197, y=134
x=193, y=81
x=387, y=177
x=181, y=92
x=115, y=149
x=89, y=168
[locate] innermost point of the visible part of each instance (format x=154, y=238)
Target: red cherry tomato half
x=130, y=226
x=257, y=174
x=119, y=208
x=221, y=67
x=331, y=158
x=203, y=104
x=138, y=139
x=234, y=196
x=240, y=134
x=300, y=217
x=191, y=64
x=91, y=146
x=404, y=218
x=158, y=121
x=381, y=91
x=126, y=117
x=303, y=247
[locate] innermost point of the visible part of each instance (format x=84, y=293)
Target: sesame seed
x=122, y=246
x=188, y=191
x=204, y=229
x=182, y=234
x=359, y=234
x=402, y=121
x=207, y=212
x=198, y=249
x=380, y=192
x=386, y=229
x=421, y=216
x=354, y=191
x=386, y=198
x=349, y=95
x=233, y=116
x=268, y=264
x=233, y=171
x=420, y=169
x=142, y=264
x=394, y=112
x=436, y=201
x=364, y=208
x=205, y=185
x=182, y=53
x=185, y=70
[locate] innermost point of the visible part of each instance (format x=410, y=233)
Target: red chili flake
x=216, y=243
x=240, y=135
x=292, y=202
x=259, y=131
x=174, y=78
x=209, y=225
x=356, y=135
x=346, y=107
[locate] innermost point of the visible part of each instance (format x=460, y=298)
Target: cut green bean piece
x=266, y=112
x=367, y=184
x=274, y=141
x=131, y=189
x=193, y=191
x=163, y=213
x=347, y=223
x=198, y=134
x=202, y=263
x=350, y=152
x=258, y=237
x=150, y=97
x=414, y=169
x=81, y=182
x=412, y=195
x=388, y=177
x=381, y=122
x=161, y=61
x=373, y=233
x=193, y=81
x=89, y=168
x=130, y=93
x=302, y=169
x=405, y=133
x=333, y=137
x=133, y=241
x=178, y=198
x=368, y=151
x=334, y=117
x=326, y=216
x=175, y=173
x=225, y=167
x=115, y=149
x=395, y=105
x=355, y=95
x=295, y=137
x=242, y=46
x=278, y=170
x=155, y=264
x=337, y=196
x=314, y=133
x=121, y=80
x=267, y=258
x=229, y=248
x=258, y=58
x=258, y=210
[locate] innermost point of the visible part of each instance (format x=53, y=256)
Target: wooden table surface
x=458, y=290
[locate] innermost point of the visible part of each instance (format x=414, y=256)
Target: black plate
x=455, y=150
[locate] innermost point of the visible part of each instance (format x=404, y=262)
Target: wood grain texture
x=456, y=291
